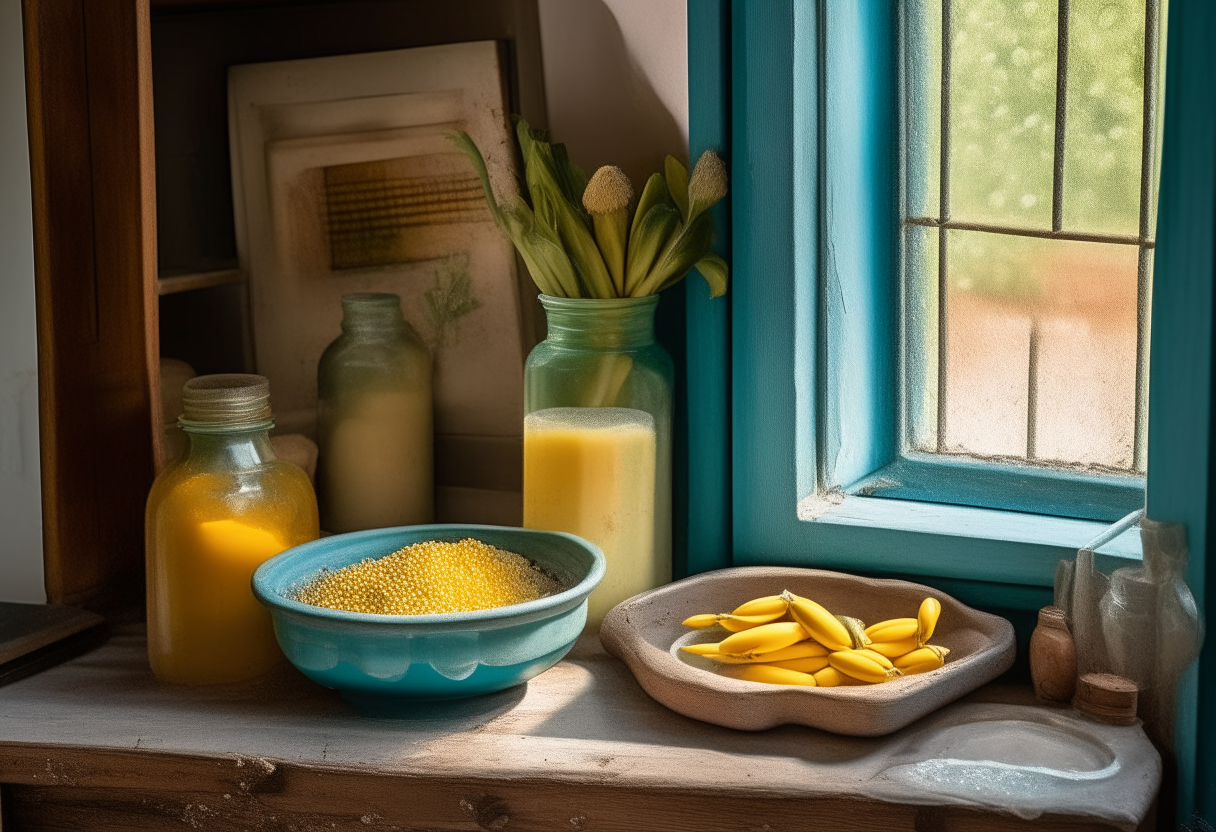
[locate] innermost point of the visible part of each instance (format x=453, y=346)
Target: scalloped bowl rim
x=641, y=642
x=277, y=571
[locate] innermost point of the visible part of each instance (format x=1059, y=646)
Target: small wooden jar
x=1053, y=658
x=1107, y=698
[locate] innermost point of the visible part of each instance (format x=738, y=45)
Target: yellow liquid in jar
x=591, y=472
x=206, y=534
x=377, y=469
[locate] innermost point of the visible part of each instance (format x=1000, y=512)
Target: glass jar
x=213, y=517
x=1128, y=613
x=374, y=428
x=597, y=439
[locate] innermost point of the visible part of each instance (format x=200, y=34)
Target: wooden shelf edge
x=202, y=280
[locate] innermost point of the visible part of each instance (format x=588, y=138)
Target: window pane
x=1104, y=123
x=1002, y=111
x=1041, y=349
x=987, y=338
x=1025, y=345
x=921, y=280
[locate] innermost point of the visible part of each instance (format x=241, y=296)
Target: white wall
x=20, y=500
x=616, y=81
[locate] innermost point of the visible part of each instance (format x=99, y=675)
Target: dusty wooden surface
x=99, y=744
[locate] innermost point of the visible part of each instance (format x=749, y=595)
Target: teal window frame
x=766, y=398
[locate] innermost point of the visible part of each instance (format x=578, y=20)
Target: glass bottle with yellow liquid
x=597, y=439
x=213, y=517
x=374, y=420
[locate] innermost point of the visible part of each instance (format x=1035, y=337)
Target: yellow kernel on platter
x=431, y=577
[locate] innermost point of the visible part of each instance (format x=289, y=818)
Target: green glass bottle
x=375, y=421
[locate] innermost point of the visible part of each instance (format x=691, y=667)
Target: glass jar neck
x=236, y=449
x=600, y=323
x=372, y=316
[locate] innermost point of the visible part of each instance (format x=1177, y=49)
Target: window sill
x=1008, y=486
x=97, y=742
x=952, y=541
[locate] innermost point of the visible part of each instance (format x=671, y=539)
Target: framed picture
x=345, y=180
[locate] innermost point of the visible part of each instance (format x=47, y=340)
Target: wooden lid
x=1053, y=616
x=1107, y=698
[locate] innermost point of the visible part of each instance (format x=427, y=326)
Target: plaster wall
x=616, y=81
x=20, y=498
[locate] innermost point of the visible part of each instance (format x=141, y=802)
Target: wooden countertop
x=98, y=743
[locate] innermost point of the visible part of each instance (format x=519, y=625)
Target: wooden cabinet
x=101, y=293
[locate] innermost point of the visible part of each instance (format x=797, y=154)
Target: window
x=791, y=389
x=1030, y=169
x=1031, y=160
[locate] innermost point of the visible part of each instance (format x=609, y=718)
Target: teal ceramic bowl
x=378, y=659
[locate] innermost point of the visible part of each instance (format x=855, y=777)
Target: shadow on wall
x=601, y=102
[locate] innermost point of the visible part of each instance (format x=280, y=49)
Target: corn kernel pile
x=431, y=577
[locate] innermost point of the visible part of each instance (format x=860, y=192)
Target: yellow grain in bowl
x=431, y=577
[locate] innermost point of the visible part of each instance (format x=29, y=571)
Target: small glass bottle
x=213, y=517
x=375, y=421
x=1053, y=658
x=597, y=439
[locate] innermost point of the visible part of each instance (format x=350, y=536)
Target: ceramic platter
x=645, y=632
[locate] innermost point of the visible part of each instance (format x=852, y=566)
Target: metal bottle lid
x=225, y=402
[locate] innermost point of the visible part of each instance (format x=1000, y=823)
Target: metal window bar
x=1057, y=162
x=943, y=233
x=1144, y=241
x=1148, y=159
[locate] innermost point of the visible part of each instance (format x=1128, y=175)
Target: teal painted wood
x=1180, y=373
x=995, y=596
x=859, y=252
x=708, y=320
x=808, y=145
x=962, y=481
x=764, y=476
x=901, y=536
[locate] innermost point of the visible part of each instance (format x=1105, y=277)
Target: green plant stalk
x=647, y=243
x=654, y=193
x=585, y=255
x=571, y=253
x=677, y=184
x=571, y=177
x=464, y=142
x=611, y=233
x=610, y=377
x=541, y=183
x=547, y=262
x=570, y=223
x=707, y=184
x=684, y=248
x=551, y=269
x=715, y=271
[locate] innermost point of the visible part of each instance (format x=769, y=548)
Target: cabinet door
x=88, y=75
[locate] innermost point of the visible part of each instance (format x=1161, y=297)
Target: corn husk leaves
x=591, y=242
